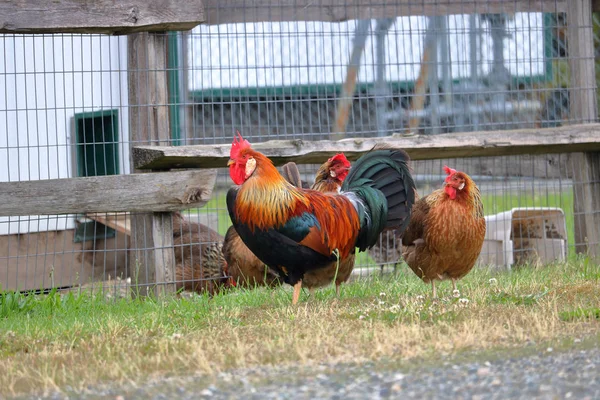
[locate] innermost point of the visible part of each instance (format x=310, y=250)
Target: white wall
x=44, y=81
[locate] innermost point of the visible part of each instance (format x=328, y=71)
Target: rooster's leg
x=337, y=290
x=434, y=290
x=454, y=284
x=297, y=289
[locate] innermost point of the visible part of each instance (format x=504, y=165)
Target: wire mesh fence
x=72, y=105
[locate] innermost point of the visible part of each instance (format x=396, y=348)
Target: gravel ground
x=572, y=374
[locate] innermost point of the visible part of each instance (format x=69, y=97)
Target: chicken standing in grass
x=199, y=262
x=446, y=231
x=246, y=268
x=294, y=230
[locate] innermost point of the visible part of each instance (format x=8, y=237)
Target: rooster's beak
x=230, y=162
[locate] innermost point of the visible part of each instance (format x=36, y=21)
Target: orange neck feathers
x=266, y=199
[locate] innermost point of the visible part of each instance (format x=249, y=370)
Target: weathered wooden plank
x=99, y=16
x=153, y=263
x=164, y=191
x=149, y=124
x=230, y=11
x=582, y=96
x=164, y=258
x=586, y=203
x=421, y=147
x=147, y=88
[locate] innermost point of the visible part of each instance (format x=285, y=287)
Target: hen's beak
x=230, y=162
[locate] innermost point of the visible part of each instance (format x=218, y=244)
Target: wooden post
x=586, y=166
x=152, y=261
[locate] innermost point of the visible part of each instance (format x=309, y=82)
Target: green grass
x=50, y=341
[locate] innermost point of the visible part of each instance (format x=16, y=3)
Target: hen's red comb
x=340, y=157
x=239, y=144
x=448, y=170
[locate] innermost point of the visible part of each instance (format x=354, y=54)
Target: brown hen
x=199, y=262
x=446, y=231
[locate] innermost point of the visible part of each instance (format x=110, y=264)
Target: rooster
x=199, y=262
x=295, y=230
x=446, y=231
x=246, y=268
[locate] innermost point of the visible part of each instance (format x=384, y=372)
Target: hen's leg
x=297, y=289
x=337, y=290
x=433, y=287
x=454, y=284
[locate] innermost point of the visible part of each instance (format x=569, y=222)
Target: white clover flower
x=463, y=301
x=395, y=308
x=493, y=281
x=456, y=293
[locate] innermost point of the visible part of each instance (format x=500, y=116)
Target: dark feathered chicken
x=199, y=262
x=245, y=268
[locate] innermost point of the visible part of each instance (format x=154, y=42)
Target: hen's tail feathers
x=383, y=182
x=291, y=174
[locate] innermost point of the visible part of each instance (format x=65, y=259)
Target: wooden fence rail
x=124, y=17
x=567, y=139
x=166, y=191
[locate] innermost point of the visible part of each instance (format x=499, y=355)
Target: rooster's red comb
x=239, y=144
x=341, y=158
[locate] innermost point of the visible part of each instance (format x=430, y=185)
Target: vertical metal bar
x=381, y=89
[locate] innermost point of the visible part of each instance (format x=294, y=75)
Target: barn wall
x=47, y=79
x=47, y=259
